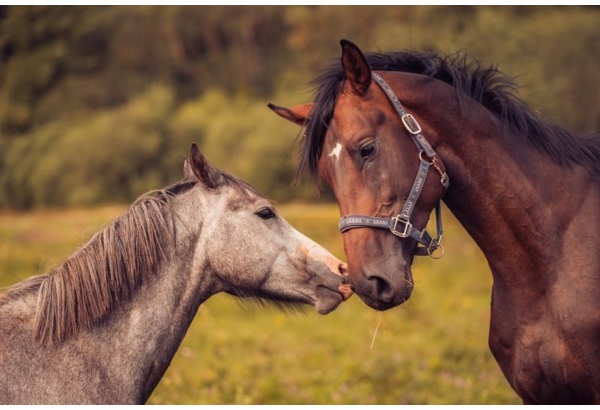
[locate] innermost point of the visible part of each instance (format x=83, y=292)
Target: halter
x=400, y=225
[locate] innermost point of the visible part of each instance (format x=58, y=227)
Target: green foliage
x=99, y=104
x=115, y=155
x=432, y=350
x=241, y=136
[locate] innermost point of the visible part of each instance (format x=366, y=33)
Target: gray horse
x=103, y=326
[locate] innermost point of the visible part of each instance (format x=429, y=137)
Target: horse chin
x=381, y=293
x=328, y=300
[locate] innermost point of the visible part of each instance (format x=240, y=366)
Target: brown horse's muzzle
x=383, y=288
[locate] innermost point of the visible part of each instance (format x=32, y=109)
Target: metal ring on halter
x=432, y=252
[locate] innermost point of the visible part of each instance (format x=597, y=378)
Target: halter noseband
x=400, y=225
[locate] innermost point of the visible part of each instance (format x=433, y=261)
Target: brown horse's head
x=361, y=149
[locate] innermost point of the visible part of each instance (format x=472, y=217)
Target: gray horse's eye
x=265, y=213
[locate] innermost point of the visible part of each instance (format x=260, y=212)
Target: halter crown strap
x=412, y=126
x=400, y=225
x=407, y=119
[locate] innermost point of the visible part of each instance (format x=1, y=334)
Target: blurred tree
x=33, y=45
x=100, y=103
x=59, y=60
x=114, y=156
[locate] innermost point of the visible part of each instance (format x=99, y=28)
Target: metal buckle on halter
x=407, y=227
x=411, y=124
x=434, y=162
x=444, y=180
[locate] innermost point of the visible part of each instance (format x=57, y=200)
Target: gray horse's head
x=254, y=251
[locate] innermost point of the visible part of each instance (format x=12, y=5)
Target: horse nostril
x=343, y=270
x=384, y=291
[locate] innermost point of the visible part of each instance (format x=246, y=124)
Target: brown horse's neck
x=512, y=199
x=536, y=223
x=523, y=209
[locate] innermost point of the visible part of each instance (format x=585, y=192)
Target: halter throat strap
x=401, y=225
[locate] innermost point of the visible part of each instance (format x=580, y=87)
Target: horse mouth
x=329, y=299
x=326, y=298
x=346, y=290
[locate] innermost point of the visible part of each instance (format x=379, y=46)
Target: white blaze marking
x=336, y=151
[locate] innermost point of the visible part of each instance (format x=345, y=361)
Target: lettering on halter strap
x=379, y=221
x=365, y=220
x=410, y=203
x=335, y=152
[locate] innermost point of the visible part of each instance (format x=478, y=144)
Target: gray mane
x=108, y=270
x=105, y=272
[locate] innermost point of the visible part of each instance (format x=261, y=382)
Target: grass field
x=432, y=350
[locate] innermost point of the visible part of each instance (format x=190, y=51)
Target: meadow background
x=432, y=350
x=99, y=104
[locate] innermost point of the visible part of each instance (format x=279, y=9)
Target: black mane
x=486, y=85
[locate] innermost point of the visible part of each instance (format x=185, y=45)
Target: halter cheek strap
x=400, y=225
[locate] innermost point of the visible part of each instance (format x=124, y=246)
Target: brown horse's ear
x=298, y=114
x=200, y=167
x=356, y=68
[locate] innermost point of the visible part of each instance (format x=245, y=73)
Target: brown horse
x=526, y=191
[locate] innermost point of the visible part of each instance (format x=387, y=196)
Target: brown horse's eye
x=367, y=150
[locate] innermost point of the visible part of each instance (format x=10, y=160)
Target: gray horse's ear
x=187, y=170
x=356, y=68
x=199, y=167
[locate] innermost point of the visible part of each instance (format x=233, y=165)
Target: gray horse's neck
x=139, y=342
x=120, y=359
